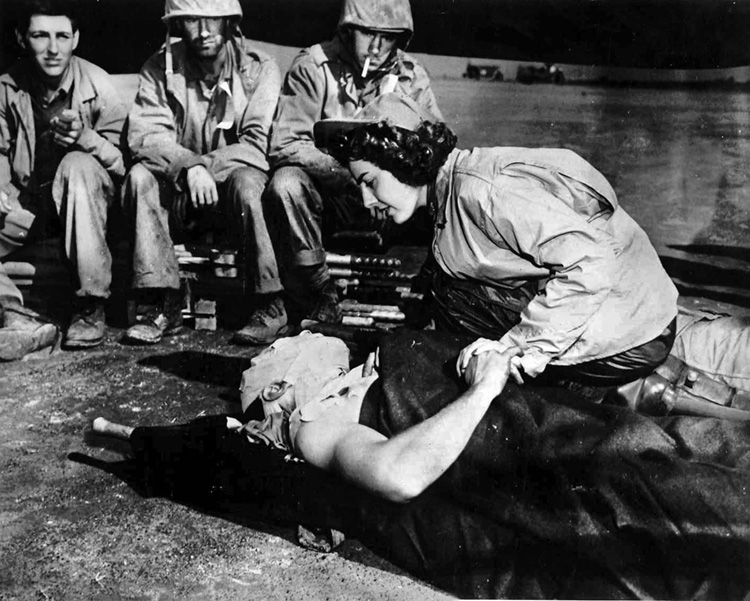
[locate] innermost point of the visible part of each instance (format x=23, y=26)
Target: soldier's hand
x=202, y=187
x=66, y=128
x=490, y=369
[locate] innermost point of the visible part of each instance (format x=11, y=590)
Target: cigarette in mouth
x=366, y=67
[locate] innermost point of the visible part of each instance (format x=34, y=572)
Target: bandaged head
x=306, y=362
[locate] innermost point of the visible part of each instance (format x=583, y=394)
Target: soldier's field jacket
x=505, y=216
x=238, y=136
x=94, y=98
x=324, y=82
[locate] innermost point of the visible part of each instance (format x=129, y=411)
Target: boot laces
x=267, y=313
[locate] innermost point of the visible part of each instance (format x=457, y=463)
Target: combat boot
x=87, y=324
x=162, y=319
x=24, y=331
x=267, y=324
x=18, y=317
x=326, y=306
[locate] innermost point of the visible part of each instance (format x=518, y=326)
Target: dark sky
x=688, y=34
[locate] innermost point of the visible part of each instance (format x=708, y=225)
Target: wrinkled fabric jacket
x=505, y=216
x=156, y=122
x=324, y=83
x=94, y=99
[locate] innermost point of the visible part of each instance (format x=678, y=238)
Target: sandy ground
x=71, y=531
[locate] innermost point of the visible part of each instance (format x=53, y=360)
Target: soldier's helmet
x=201, y=8
x=388, y=16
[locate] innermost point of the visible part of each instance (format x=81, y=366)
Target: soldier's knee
x=287, y=185
x=140, y=186
x=139, y=178
x=77, y=164
x=246, y=186
x=80, y=179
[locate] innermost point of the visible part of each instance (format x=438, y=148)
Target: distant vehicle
x=546, y=74
x=485, y=72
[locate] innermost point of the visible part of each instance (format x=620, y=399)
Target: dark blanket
x=584, y=500
x=554, y=496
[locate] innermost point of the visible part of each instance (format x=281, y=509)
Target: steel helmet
x=392, y=16
x=196, y=8
x=201, y=8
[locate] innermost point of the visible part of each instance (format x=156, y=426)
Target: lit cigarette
x=366, y=67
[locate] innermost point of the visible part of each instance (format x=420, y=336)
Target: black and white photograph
x=374, y=300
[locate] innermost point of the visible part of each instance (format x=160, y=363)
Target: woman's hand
x=483, y=345
x=489, y=370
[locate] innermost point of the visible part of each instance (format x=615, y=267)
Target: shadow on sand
x=206, y=368
x=203, y=466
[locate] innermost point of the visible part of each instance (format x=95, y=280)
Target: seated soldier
x=310, y=193
x=60, y=126
x=198, y=132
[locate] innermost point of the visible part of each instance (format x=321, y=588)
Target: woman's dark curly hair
x=413, y=157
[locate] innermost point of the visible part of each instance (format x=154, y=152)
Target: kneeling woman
x=531, y=247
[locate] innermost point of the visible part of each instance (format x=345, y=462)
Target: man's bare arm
x=402, y=467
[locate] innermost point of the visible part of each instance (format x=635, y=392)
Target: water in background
x=679, y=161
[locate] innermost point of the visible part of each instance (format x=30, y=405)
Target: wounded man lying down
x=513, y=491
x=312, y=403
x=324, y=429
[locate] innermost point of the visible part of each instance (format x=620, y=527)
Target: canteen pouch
x=675, y=387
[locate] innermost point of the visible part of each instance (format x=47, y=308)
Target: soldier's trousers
x=79, y=197
x=150, y=205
